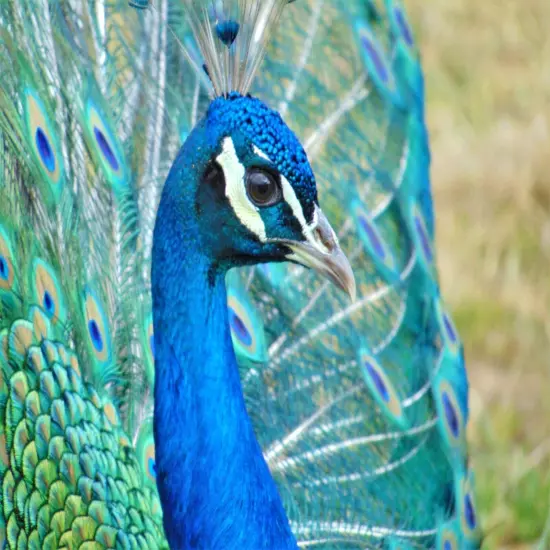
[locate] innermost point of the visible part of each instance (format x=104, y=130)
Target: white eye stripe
x=292, y=200
x=235, y=190
x=259, y=153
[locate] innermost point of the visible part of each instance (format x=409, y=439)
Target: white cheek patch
x=235, y=190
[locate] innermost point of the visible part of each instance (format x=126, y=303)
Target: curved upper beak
x=321, y=252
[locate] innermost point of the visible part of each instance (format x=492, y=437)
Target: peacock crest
x=225, y=39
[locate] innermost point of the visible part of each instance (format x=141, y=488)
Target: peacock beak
x=321, y=252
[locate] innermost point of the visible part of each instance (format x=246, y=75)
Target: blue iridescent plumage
x=180, y=186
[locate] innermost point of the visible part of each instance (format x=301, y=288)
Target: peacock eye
x=262, y=187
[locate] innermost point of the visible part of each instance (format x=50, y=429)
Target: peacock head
x=255, y=194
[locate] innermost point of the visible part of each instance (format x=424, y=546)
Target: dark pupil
x=262, y=188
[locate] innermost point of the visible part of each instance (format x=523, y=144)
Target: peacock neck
x=215, y=487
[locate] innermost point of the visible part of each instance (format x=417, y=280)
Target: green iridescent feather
x=66, y=462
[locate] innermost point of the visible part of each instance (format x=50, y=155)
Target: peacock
x=186, y=190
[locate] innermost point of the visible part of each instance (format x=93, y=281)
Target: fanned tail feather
x=365, y=404
x=77, y=204
x=360, y=408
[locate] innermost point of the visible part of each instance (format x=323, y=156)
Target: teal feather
x=361, y=409
x=9, y=284
x=148, y=346
x=101, y=140
x=376, y=62
x=381, y=388
x=375, y=244
x=145, y=451
x=399, y=544
x=247, y=329
x=467, y=512
x=31, y=120
x=98, y=332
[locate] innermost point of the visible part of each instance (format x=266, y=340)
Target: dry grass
x=487, y=68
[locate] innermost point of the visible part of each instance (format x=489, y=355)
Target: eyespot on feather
x=466, y=507
x=405, y=56
x=105, y=145
x=47, y=293
x=373, y=241
x=99, y=338
x=448, y=537
x=243, y=332
x=376, y=63
x=381, y=388
x=7, y=262
x=421, y=238
x=451, y=419
x=447, y=329
x=400, y=25
x=43, y=141
x=145, y=450
x=247, y=330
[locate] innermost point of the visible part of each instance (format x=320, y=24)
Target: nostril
x=325, y=237
x=322, y=233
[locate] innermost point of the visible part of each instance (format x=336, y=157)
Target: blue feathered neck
x=215, y=487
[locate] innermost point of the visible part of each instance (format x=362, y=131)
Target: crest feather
x=231, y=36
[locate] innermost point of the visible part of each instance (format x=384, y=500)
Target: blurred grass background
x=487, y=67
